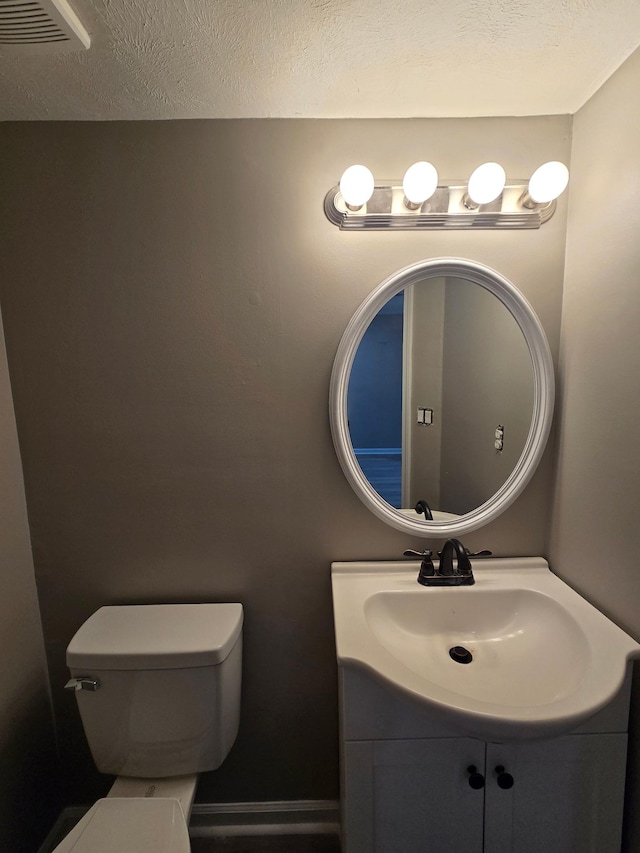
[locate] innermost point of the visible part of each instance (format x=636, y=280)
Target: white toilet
x=158, y=688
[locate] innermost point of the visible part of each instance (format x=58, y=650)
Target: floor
x=384, y=472
x=266, y=844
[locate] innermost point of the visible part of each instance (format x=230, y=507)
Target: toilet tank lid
x=156, y=636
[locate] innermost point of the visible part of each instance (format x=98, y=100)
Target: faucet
x=463, y=567
x=423, y=507
x=447, y=574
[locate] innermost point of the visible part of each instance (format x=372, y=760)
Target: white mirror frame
x=543, y=394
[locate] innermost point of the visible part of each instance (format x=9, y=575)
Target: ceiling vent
x=40, y=26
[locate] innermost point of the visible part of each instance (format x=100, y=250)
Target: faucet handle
x=427, y=569
x=484, y=553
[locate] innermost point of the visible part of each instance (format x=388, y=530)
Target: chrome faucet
x=447, y=573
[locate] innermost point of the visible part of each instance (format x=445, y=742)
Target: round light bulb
x=486, y=183
x=548, y=182
x=419, y=183
x=356, y=186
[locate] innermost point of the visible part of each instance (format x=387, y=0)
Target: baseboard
x=287, y=817
x=294, y=817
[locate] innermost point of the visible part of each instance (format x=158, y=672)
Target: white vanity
x=522, y=750
x=490, y=717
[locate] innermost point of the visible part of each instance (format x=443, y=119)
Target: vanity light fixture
x=356, y=187
x=546, y=184
x=487, y=200
x=419, y=184
x=485, y=185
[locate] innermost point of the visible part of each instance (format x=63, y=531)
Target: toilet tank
x=168, y=695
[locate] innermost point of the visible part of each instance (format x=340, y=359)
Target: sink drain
x=460, y=655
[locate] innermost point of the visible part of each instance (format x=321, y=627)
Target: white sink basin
x=543, y=659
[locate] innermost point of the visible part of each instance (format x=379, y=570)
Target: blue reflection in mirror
x=374, y=404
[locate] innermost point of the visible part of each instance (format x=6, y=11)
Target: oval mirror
x=441, y=392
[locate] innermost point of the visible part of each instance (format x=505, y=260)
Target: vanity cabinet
x=566, y=795
x=424, y=793
x=412, y=795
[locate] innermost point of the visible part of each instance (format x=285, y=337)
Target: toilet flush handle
x=82, y=682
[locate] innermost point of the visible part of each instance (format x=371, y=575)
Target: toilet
x=158, y=689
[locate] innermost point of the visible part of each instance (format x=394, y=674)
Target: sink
x=525, y=648
x=532, y=659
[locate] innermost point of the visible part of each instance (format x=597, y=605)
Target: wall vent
x=40, y=26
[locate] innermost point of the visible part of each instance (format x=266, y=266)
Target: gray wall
x=594, y=541
x=427, y=329
x=27, y=749
x=488, y=380
x=173, y=298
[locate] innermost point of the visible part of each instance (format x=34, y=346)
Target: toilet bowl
x=158, y=689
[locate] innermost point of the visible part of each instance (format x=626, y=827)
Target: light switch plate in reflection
x=425, y=416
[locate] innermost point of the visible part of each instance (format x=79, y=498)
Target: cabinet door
x=567, y=795
x=422, y=799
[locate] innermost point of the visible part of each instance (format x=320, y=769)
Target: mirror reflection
x=440, y=397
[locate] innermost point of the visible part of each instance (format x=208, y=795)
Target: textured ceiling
x=165, y=59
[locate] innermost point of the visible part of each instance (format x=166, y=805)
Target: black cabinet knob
x=476, y=780
x=505, y=780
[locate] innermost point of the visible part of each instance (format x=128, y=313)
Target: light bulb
x=419, y=183
x=548, y=182
x=486, y=183
x=356, y=186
